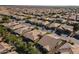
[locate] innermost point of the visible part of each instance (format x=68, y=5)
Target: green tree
x=5, y=19
x=32, y=49
x=17, y=42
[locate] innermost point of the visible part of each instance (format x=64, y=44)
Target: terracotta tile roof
x=54, y=25
x=49, y=41
x=75, y=49
x=18, y=26
x=33, y=35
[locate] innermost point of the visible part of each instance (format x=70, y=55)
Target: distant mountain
x=38, y=6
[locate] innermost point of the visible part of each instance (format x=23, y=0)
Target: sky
x=39, y=2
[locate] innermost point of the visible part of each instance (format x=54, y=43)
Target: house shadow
x=64, y=32
x=76, y=36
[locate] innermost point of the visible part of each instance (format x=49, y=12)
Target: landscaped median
x=17, y=41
